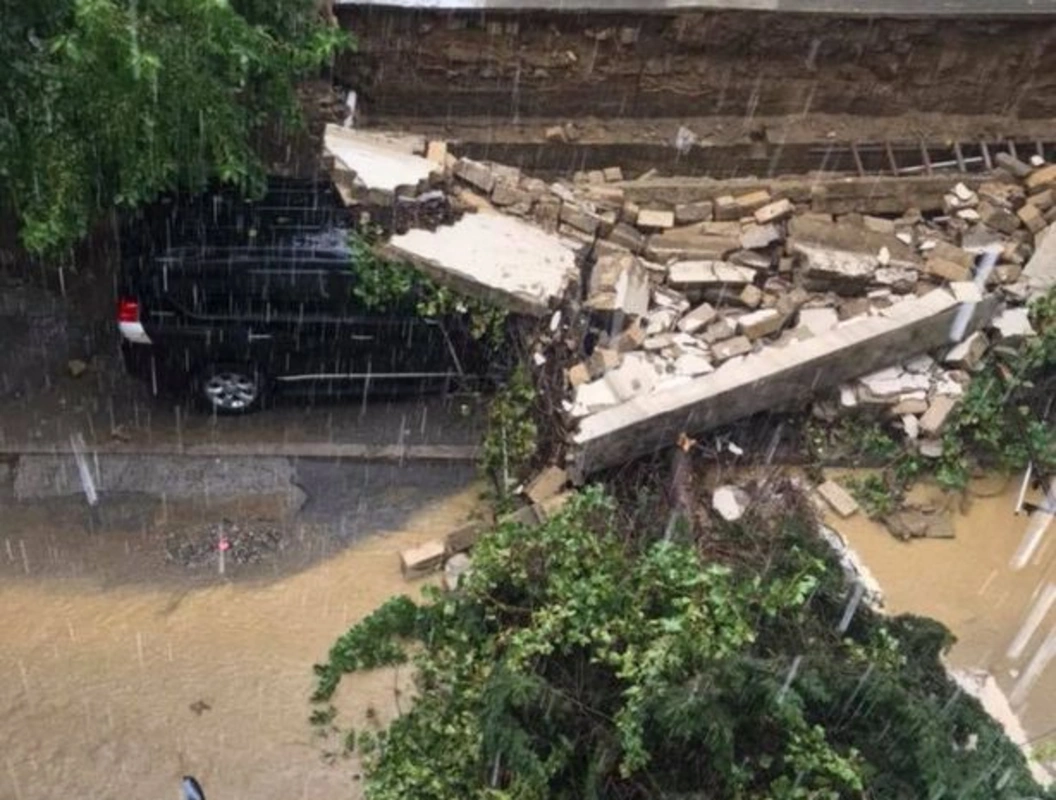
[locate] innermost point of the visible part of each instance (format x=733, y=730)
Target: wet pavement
x=128, y=669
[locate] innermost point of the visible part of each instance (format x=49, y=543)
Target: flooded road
x=118, y=680
x=1004, y=618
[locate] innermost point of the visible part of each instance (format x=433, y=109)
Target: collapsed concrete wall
x=769, y=379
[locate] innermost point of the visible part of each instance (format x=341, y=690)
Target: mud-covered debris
x=245, y=542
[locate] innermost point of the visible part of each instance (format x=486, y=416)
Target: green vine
x=385, y=285
x=511, y=439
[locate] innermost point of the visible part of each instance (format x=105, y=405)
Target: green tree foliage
x=106, y=103
x=579, y=659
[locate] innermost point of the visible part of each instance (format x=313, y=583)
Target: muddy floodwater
x=1004, y=618
x=121, y=672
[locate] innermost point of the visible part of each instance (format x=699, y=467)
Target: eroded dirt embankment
x=415, y=64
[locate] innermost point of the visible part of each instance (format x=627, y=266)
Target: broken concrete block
x=630, y=339
x=911, y=425
x=619, y=283
x=749, y=258
x=423, y=559
x=436, y=151
x=949, y=252
x=846, y=271
x=920, y=365
x=760, y=323
x=947, y=270
x=879, y=225
x=580, y=219
x=690, y=365
x=838, y=498
x=818, y=320
x=696, y=319
x=731, y=348
x=602, y=360
x=930, y=448
x=809, y=230
x=969, y=353
x=475, y=174
x=669, y=298
x=687, y=213
x=1013, y=165
x=1031, y=217
x=1013, y=324
x=627, y=236
x=730, y=502
x=1043, y=200
x=696, y=274
x=750, y=296
x=613, y=174
x=848, y=397
x=555, y=133
x=655, y=219
x=635, y=376
x=1041, y=178
x=546, y=484
x=718, y=331
x=966, y=292
x=456, y=569
x=683, y=247
x=578, y=374
x=935, y=417
x=750, y=202
x=462, y=539
x=661, y=320
x=507, y=194
x=909, y=406
x=900, y=280
x=772, y=212
x=998, y=218
x=755, y=237
x=726, y=208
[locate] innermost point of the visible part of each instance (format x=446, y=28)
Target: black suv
x=230, y=299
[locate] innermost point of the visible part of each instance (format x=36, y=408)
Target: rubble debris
x=772, y=212
x=730, y=502
x=494, y=256
x=244, y=542
x=698, y=318
x=760, y=323
x=969, y=353
x=838, y=498
x=758, y=236
x=373, y=162
x=1012, y=324
x=696, y=274
x=423, y=559
x=935, y=417
x=654, y=218
x=688, y=213
x=456, y=569
x=619, y=283
x=731, y=348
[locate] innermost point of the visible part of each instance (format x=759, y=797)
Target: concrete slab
x=500, y=258
x=377, y=161
x=1040, y=272
x=767, y=379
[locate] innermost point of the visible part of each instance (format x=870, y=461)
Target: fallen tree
x=592, y=657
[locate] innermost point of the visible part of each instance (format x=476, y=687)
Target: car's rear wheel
x=231, y=389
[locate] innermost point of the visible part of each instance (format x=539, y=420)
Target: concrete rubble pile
x=710, y=310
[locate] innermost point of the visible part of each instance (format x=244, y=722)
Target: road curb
x=352, y=451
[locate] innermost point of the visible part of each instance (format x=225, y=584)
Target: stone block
x=749, y=258
x=730, y=502
x=1013, y=324
x=750, y=202
x=596, y=177
x=546, y=484
x=655, y=219
x=935, y=417
x=613, y=174
x=423, y=559
x=697, y=274
x=718, y=331
x=969, y=353
x=842, y=270
x=692, y=364
x=696, y=319
x=508, y=194
x=602, y=360
x=751, y=296
x=912, y=405
x=998, y=218
x=462, y=539
x=627, y=236
x=580, y=219
x=664, y=248
x=475, y=174
x=619, y=283
x=758, y=236
x=630, y=339
x=436, y=151
x=838, y=498
x=731, y=348
x=1013, y=165
x=879, y=225
x=772, y=212
x=687, y=213
x=760, y=323
x=949, y=252
x=726, y=208
x=1041, y=178
x=947, y=270
x=966, y=291
x=578, y=374
x=1032, y=217
x=456, y=569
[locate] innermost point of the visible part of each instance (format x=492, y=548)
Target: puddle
x=1004, y=619
x=115, y=688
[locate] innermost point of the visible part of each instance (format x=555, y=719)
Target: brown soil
x=733, y=65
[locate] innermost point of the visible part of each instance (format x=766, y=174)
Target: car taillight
x=128, y=310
